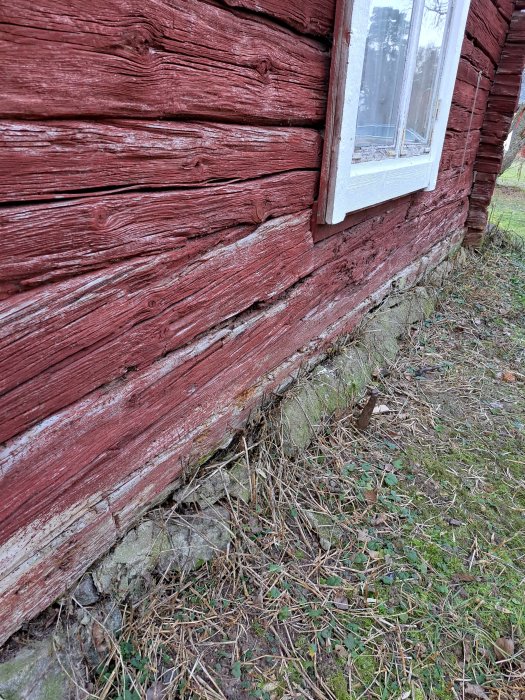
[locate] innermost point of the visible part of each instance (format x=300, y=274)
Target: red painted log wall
x=158, y=273
x=502, y=102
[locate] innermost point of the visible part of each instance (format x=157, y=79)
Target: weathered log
x=489, y=28
x=63, y=341
x=133, y=421
x=60, y=159
x=308, y=16
x=138, y=58
x=42, y=243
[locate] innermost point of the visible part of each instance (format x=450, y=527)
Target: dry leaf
x=99, y=637
x=465, y=578
x=156, y=691
x=476, y=691
x=503, y=648
x=272, y=685
x=341, y=651
x=420, y=650
x=363, y=536
x=371, y=496
x=508, y=376
x=382, y=408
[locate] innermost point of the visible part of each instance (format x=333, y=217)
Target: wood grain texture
x=57, y=159
x=65, y=340
x=155, y=58
x=47, y=242
x=488, y=27
x=307, y=16
x=139, y=329
x=151, y=411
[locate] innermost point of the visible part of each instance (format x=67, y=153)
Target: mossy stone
x=34, y=673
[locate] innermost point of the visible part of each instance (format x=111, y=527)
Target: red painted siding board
x=141, y=310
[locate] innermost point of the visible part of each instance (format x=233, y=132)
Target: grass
x=424, y=570
x=508, y=204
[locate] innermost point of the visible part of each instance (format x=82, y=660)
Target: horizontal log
x=517, y=27
x=463, y=118
x=143, y=58
x=46, y=242
x=471, y=97
x=308, y=16
x=140, y=430
x=508, y=84
x=45, y=160
x=477, y=58
x=81, y=534
x=63, y=341
x=506, y=7
x=461, y=152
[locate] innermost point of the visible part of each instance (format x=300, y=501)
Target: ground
x=507, y=210
x=388, y=563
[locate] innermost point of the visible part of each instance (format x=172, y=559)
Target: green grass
x=514, y=176
x=507, y=209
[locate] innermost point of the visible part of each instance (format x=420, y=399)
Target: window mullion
x=410, y=69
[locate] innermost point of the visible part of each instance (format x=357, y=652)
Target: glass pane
x=384, y=66
x=424, y=88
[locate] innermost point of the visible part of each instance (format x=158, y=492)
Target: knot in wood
x=263, y=68
x=140, y=39
x=100, y=217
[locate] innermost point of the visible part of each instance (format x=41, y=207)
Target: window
x=392, y=81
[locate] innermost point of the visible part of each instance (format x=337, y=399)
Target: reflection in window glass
x=422, y=99
x=384, y=66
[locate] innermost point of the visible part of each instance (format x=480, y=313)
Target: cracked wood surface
x=68, y=158
x=307, y=16
x=46, y=242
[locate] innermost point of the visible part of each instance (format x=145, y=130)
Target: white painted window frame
x=350, y=186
